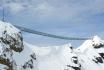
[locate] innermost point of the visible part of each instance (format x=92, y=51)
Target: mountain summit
x=16, y=54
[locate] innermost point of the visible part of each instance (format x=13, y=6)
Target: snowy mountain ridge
x=16, y=54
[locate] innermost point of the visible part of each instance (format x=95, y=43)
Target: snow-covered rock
x=91, y=56
x=14, y=54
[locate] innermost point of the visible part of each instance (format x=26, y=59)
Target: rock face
x=12, y=48
x=15, y=54
x=91, y=54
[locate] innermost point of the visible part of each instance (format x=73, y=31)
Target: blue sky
x=76, y=18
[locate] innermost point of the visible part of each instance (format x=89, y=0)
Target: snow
x=23, y=57
x=61, y=56
x=11, y=30
x=13, y=50
x=54, y=58
x=3, y=67
x=88, y=53
x=97, y=40
x=0, y=49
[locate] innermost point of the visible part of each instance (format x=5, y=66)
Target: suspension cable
x=3, y=14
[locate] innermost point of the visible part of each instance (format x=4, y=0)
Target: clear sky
x=76, y=18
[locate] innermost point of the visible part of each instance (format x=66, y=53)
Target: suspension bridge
x=47, y=34
x=43, y=33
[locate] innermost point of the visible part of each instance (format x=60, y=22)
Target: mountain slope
x=91, y=54
x=14, y=54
